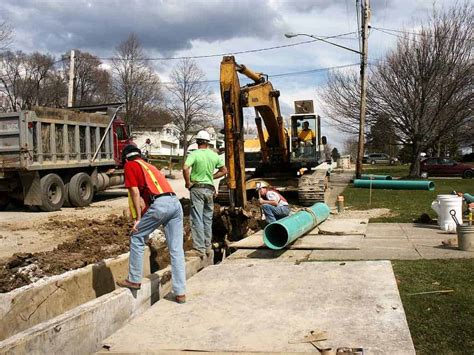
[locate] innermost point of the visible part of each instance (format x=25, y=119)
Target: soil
x=93, y=240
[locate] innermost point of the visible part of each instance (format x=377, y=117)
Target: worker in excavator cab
x=306, y=139
x=274, y=205
x=152, y=203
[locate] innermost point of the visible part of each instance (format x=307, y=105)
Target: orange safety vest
x=155, y=182
x=281, y=197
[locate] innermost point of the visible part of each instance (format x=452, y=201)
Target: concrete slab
x=365, y=254
x=254, y=307
x=267, y=255
x=423, y=231
x=443, y=253
x=385, y=231
x=310, y=242
x=387, y=244
x=349, y=226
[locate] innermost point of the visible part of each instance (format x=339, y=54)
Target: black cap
x=130, y=151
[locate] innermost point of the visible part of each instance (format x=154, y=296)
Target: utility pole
x=363, y=84
x=72, y=80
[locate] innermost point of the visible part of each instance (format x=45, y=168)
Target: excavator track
x=312, y=187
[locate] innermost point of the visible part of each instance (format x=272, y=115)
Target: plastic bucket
x=442, y=205
x=466, y=237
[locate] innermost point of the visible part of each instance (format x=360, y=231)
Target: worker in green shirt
x=199, y=173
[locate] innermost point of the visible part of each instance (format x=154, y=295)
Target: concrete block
x=268, y=307
x=32, y=304
x=81, y=329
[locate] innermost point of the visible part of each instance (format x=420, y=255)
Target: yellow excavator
x=289, y=160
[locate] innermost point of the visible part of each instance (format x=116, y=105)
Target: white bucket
x=442, y=205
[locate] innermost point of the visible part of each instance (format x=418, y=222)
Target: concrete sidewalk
x=255, y=307
x=382, y=241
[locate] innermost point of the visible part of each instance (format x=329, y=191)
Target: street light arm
x=291, y=35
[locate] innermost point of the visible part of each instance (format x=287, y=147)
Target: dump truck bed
x=53, y=139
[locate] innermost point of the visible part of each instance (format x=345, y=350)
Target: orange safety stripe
x=151, y=175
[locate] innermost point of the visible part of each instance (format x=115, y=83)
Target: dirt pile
x=93, y=240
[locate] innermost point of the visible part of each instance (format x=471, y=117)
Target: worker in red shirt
x=152, y=203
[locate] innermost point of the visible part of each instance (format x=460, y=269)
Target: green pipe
x=279, y=234
x=375, y=177
x=395, y=184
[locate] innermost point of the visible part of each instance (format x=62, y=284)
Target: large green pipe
x=395, y=184
x=375, y=177
x=279, y=234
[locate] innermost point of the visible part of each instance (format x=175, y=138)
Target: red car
x=445, y=167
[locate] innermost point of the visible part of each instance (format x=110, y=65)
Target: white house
x=163, y=140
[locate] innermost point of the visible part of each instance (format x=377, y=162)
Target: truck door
x=121, y=139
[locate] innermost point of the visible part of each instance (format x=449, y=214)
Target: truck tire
x=4, y=201
x=52, y=193
x=372, y=162
x=81, y=190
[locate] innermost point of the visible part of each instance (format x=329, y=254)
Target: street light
x=363, y=65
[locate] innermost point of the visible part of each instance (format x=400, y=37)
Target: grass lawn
x=439, y=323
x=406, y=205
x=394, y=170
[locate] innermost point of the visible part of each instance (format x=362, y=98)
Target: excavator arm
x=261, y=95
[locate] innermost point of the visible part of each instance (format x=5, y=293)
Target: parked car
x=445, y=167
x=379, y=158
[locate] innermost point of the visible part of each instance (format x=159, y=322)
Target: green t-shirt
x=203, y=163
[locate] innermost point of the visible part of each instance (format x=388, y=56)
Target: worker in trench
x=152, y=203
x=199, y=173
x=274, y=205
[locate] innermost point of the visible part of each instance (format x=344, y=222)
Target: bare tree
x=135, y=83
x=6, y=35
x=190, y=100
x=350, y=147
x=23, y=78
x=424, y=86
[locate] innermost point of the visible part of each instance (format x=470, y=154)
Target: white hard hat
x=260, y=184
x=203, y=136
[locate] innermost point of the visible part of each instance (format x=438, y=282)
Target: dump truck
x=55, y=157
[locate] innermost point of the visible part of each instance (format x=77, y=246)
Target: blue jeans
x=273, y=213
x=202, y=210
x=164, y=211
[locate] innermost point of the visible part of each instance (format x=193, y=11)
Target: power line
x=392, y=34
x=236, y=52
x=286, y=74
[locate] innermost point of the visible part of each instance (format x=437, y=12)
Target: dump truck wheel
x=52, y=193
x=4, y=201
x=81, y=190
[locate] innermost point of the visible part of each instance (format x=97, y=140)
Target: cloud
x=162, y=26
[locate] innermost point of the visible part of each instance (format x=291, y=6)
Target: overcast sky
x=201, y=27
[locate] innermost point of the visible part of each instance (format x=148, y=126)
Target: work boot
x=129, y=284
x=180, y=299
x=193, y=253
x=209, y=251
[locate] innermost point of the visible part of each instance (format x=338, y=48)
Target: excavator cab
x=305, y=138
